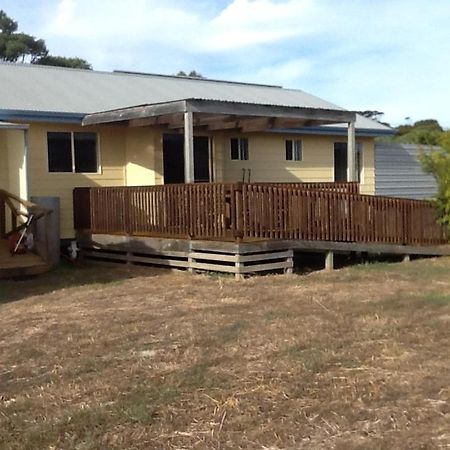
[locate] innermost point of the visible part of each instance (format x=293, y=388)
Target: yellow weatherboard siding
x=111, y=144
x=143, y=163
x=267, y=159
x=4, y=174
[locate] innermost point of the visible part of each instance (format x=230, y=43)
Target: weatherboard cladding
x=46, y=90
x=398, y=172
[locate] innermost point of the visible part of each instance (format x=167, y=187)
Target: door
x=173, y=158
x=340, y=162
x=201, y=159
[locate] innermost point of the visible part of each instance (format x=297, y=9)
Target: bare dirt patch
x=144, y=358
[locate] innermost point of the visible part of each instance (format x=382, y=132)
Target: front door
x=173, y=158
x=340, y=162
x=201, y=159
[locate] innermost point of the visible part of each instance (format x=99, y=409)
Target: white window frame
x=241, y=149
x=72, y=145
x=297, y=150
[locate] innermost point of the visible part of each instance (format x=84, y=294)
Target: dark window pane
x=289, y=150
x=85, y=152
x=59, y=152
x=234, y=148
x=244, y=149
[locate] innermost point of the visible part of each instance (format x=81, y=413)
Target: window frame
x=99, y=170
x=296, y=150
x=242, y=151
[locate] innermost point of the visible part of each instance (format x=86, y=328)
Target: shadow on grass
x=67, y=276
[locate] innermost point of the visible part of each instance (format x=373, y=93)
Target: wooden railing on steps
x=14, y=213
x=249, y=211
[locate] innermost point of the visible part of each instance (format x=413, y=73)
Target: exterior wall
x=367, y=175
x=42, y=183
x=17, y=163
x=267, y=161
x=13, y=170
x=4, y=176
x=398, y=172
x=143, y=156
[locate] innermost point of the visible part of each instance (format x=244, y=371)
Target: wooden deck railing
x=257, y=211
x=14, y=213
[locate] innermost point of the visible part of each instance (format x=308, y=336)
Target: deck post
x=188, y=147
x=329, y=261
x=289, y=270
x=406, y=258
x=351, y=152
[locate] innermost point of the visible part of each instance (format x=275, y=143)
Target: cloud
x=241, y=23
x=383, y=55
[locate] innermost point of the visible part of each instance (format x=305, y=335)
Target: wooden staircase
x=15, y=215
x=19, y=265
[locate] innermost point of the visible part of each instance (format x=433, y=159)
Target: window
x=239, y=149
x=294, y=150
x=72, y=152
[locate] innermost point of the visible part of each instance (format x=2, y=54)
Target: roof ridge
x=187, y=77
x=119, y=72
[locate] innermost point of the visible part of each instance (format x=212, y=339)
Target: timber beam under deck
x=238, y=258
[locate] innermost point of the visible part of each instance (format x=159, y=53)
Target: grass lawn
x=138, y=358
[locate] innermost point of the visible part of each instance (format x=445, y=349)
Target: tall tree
x=21, y=47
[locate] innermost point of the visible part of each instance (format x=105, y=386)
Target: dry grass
x=143, y=358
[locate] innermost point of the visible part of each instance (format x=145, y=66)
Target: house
x=65, y=128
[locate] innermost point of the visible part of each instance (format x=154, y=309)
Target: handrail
x=251, y=211
x=23, y=210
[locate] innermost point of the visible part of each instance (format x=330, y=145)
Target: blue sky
x=392, y=56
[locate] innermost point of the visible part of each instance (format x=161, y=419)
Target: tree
x=21, y=47
x=375, y=115
x=61, y=61
x=437, y=163
x=191, y=74
x=423, y=132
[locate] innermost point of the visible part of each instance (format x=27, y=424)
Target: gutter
x=41, y=116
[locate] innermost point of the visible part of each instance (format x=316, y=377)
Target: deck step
x=19, y=265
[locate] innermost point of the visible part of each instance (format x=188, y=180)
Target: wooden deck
x=19, y=265
x=245, y=228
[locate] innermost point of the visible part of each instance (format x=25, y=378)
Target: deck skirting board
x=238, y=258
x=218, y=257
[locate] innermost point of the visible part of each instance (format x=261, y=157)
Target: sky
x=386, y=55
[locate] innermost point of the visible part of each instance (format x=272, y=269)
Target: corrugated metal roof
x=33, y=88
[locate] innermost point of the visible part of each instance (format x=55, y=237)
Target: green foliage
x=191, y=74
x=22, y=47
x=7, y=25
x=437, y=162
x=16, y=46
x=424, y=132
x=61, y=61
